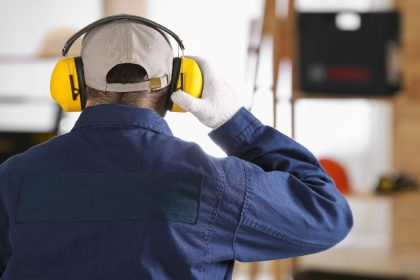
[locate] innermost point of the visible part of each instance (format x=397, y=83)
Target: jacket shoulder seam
x=235, y=252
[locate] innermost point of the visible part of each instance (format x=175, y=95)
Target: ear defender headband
x=68, y=87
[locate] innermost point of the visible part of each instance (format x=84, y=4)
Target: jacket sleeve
x=5, y=250
x=289, y=205
x=4, y=243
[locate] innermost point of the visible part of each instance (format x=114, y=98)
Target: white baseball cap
x=125, y=41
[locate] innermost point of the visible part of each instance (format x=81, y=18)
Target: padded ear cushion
x=176, y=68
x=81, y=79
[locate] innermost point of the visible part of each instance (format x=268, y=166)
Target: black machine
x=19, y=140
x=349, y=53
x=12, y=143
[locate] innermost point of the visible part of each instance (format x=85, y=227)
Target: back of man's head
x=127, y=63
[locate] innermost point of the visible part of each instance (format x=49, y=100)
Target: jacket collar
x=117, y=115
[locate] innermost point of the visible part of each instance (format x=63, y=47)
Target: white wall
x=23, y=23
x=216, y=30
x=23, y=28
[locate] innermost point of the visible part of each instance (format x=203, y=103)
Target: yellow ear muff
x=65, y=87
x=190, y=80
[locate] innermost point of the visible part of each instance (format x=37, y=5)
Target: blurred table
x=385, y=239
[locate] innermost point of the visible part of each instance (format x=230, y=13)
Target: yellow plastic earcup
x=61, y=88
x=190, y=80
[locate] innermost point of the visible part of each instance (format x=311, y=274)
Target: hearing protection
x=68, y=87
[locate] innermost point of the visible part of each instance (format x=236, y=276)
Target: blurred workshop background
x=341, y=77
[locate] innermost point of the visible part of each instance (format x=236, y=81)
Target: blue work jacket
x=119, y=197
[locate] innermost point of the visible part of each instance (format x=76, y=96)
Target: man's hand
x=218, y=102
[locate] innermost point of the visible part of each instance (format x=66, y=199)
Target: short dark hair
x=130, y=73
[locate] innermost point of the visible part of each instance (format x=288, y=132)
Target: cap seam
x=126, y=46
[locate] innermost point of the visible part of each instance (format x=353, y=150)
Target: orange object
x=338, y=173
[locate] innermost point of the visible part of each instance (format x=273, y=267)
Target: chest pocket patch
x=110, y=196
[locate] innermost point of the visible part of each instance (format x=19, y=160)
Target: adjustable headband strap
x=152, y=84
x=104, y=20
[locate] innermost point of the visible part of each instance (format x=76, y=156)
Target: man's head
x=127, y=63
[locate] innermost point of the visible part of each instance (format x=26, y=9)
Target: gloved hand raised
x=218, y=102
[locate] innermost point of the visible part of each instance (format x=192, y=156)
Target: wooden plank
x=406, y=225
x=411, y=45
x=133, y=7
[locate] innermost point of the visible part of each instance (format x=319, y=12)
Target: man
x=119, y=197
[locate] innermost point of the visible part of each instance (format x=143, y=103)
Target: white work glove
x=218, y=102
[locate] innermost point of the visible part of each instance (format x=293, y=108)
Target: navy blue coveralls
x=119, y=197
